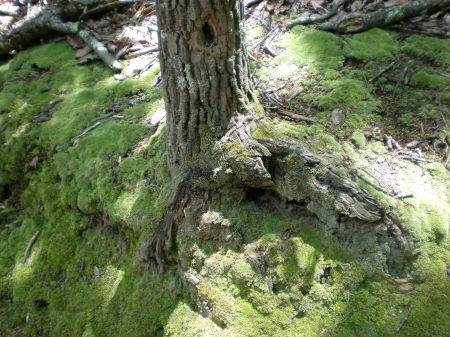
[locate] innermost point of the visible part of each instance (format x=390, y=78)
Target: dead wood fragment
x=318, y=18
x=358, y=22
x=253, y=3
x=405, y=318
x=389, y=67
x=296, y=117
x=30, y=246
x=269, y=51
x=107, y=7
x=403, y=195
x=75, y=139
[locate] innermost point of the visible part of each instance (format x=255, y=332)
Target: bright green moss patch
x=374, y=44
x=424, y=79
x=268, y=271
x=316, y=50
x=433, y=49
x=91, y=200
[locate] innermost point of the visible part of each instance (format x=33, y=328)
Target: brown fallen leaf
x=34, y=162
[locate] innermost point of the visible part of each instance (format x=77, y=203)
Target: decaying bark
x=358, y=22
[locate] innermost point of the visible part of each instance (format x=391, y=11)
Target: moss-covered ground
x=95, y=200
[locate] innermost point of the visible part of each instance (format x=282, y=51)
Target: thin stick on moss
x=30, y=246
x=75, y=139
x=402, y=323
x=389, y=67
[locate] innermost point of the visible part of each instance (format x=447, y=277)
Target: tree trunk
x=207, y=93
x=205, y=74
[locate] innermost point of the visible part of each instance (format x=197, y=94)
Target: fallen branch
x=107, y=7
x=410, y=158
x=389, y=67
x=405, y=318
x=318, y=18
x=30, y=246
x=143, y=51
x=296, y=117
x=75, y=139
x=358, y=22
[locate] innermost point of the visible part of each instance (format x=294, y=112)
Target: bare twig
x=405, y=318
x=107, y=7
x=296, y=117
x=318, y=18
x=75, y=139
x=142, y=52
x=389, y=67
x=30, y=246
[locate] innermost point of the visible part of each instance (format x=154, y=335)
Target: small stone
x=159, y=117
x=120, y=77
x=96, y=272
x=55, y=101
x=34, y=162
x=413, y=144
x=191, y=278
x=337, y=117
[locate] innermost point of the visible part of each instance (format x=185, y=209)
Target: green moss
x=350, y=95
x=319, y=51
x=423, y=79
x=374, y=44
x=359, y=139
x=433, y=49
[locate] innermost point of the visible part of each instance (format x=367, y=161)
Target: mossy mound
x=93, y=201
x=266, y=269
x=348, y=73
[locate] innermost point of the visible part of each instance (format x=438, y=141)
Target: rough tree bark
x=205, y=74
x=206, y=82
x=211, y=115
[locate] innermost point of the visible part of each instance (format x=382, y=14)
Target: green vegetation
x=267, y=271
x=93, y=201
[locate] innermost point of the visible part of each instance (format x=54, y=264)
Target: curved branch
x=358, y=22
x=318, y=18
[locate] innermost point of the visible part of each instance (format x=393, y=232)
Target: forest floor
x=84, y=182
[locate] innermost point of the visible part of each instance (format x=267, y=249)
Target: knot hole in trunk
x=209, y=31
